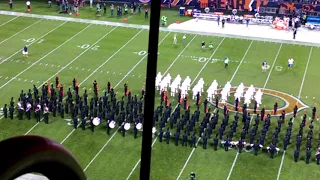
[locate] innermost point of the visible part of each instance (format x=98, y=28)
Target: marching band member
x=46, y=114
x=28, y=110
x=37, y=112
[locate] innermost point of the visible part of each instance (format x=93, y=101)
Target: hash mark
x=46, y=64
x=22, y=61
x=58, y=65
x=107, y=72
x=89, y=89
x=114, y=72
x=82, y=69
x=11, y=60
x=7, y=77
x=31, y=81
x=70, y=67
x=77, y=68
x=133, y=75
x=19, y=79
x=89, y=69
x=25, y=80
x=101, y=71
x=120, y=74
x=28, y=62
x=40, y=64
x=52, y=65
x=17, y=60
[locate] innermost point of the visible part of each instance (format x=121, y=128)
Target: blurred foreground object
x=27, y=154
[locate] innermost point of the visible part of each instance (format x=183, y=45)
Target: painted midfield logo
x=290, y=102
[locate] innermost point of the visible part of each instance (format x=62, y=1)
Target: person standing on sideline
x=10, y=3
x=146, y=15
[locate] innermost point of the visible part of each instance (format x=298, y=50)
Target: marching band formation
x=126, y=113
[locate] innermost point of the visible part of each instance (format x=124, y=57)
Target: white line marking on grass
x=0, y=77
x=265, y=84
x=51, y=53
x=7, y=77
x=25, y=80
x=180, y=54
x=20, y=31
x=305, y=73
x=299, y=95
x=274, y=62
x=34, y=42
x=233, y=164
x=31, y=81
x=136, y=165
x=101, y=149
x=89, y=69
x=98, y=69
x=82, y=69
x=115, y=87
x=8, y=21
x=244, y=56
x=17, y=61
x=72, y=62
x=46, y=64
x=194, y=80
x=77, y=68
x=281, y=164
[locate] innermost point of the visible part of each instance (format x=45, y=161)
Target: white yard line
x=9, y=21
x=119, y=127
x=179, y=55
x=305, y=73
x=20, y=50
x=98, y=69
x=194, y=80
x=281, y=164
x=51, y=53
x=233, y=164
x=244, y=56
x=68, y=65
x=299, y=95
x=21, y=31
x=265, y=84
x=274, y=62
x=234, y=74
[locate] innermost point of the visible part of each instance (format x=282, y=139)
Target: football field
x=91, y=52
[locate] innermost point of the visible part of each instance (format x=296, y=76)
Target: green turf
x=116, y=55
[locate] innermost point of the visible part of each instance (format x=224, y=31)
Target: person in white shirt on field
x=290, y=63
x=175, y=39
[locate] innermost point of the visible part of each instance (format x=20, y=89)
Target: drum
x=112, y=124
x=139, y=126
x=96, y=121
x=127, y=126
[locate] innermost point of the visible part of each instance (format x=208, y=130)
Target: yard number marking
x=278, y=68
x=86, y=46
x=31, y=40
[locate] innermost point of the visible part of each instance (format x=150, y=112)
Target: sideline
x=146, y=27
